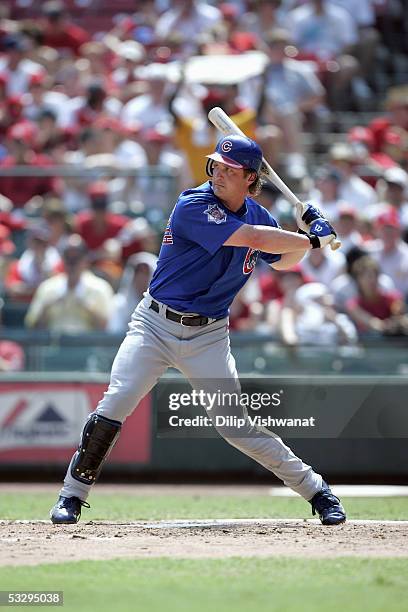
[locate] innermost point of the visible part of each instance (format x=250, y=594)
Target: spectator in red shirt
x=11, y=112
x=84, y=111
x=98, y=224
x=59, y=31
x=244, y=316
x=269, y=286
x=390, y=132
x=111, y=238
x=363, y=142
x=20, y=190
x=375, y=310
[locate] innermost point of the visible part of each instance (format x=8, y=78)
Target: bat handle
x=335, y=244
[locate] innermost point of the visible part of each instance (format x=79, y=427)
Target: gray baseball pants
x=154, y=343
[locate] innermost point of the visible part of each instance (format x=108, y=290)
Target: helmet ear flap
x=209, y=167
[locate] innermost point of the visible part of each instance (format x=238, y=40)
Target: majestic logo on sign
x=226, y=146
x=215, y=214
x=251, y=258
x=44, y=418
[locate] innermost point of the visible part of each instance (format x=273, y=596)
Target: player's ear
x=251, y=177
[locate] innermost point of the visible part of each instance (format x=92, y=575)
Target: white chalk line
x=351, y=491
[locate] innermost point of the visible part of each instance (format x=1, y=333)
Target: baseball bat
x=226, y=125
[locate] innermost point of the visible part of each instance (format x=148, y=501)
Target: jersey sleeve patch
x=215, y=214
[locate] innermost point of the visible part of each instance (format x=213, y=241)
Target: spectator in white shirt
x=42, y=98
x=347, y=228
x=74, y=301
x=135, y=281
x=392, y=190
x=290, y=90
x=313, y=308
x=262, y=18
x=327, y=32
x=352, y=189
x=326, y=192
x=15, y=65
x=363, y=14
x=321, y=28
x=190, y=19
x=392, y=251
x=323, y=266
x=151, y=107
x=344, y=286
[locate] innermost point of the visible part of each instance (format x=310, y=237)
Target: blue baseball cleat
x=67, y=510
x=328, y=506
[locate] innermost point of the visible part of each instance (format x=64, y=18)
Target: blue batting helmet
x=238, y=152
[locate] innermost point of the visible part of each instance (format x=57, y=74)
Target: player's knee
x=119, y=402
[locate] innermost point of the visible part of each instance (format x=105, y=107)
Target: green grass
x=218, y=585
x=156, y=507
x=221, y=585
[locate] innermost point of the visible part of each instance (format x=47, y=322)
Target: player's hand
x=321, y=233
x=306, y=214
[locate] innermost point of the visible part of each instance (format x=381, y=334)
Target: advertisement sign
x=42, y=422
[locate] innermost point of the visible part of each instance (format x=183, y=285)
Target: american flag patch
x=168, y=236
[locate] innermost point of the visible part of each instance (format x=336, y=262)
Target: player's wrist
x=312, y=239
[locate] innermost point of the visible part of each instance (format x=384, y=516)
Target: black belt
x=187, y=320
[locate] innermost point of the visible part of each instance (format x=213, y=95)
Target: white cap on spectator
x=158, y=72
x=397, y=176
x=311, y=292
x=131, y=50
x=342, y=151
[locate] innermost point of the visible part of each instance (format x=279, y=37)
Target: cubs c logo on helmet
x=226, y=146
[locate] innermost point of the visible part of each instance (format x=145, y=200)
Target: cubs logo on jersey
x=251, y=258
x=215, y=214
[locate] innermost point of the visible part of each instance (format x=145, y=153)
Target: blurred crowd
x=103, y=121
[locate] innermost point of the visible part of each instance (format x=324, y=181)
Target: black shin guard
x=98, y=438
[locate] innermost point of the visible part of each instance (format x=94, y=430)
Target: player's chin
x=218, y=189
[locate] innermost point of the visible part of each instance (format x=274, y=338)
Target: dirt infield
x=35, y=542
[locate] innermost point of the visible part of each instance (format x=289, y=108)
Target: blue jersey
x=195, y=272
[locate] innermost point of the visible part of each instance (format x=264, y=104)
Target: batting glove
x=306, y=214
x=321, y=233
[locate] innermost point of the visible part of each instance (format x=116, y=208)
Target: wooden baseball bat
x=226, y=125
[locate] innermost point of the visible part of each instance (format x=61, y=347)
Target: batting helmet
x=237, y=152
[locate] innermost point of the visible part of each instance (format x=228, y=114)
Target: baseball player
x=213, y=238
